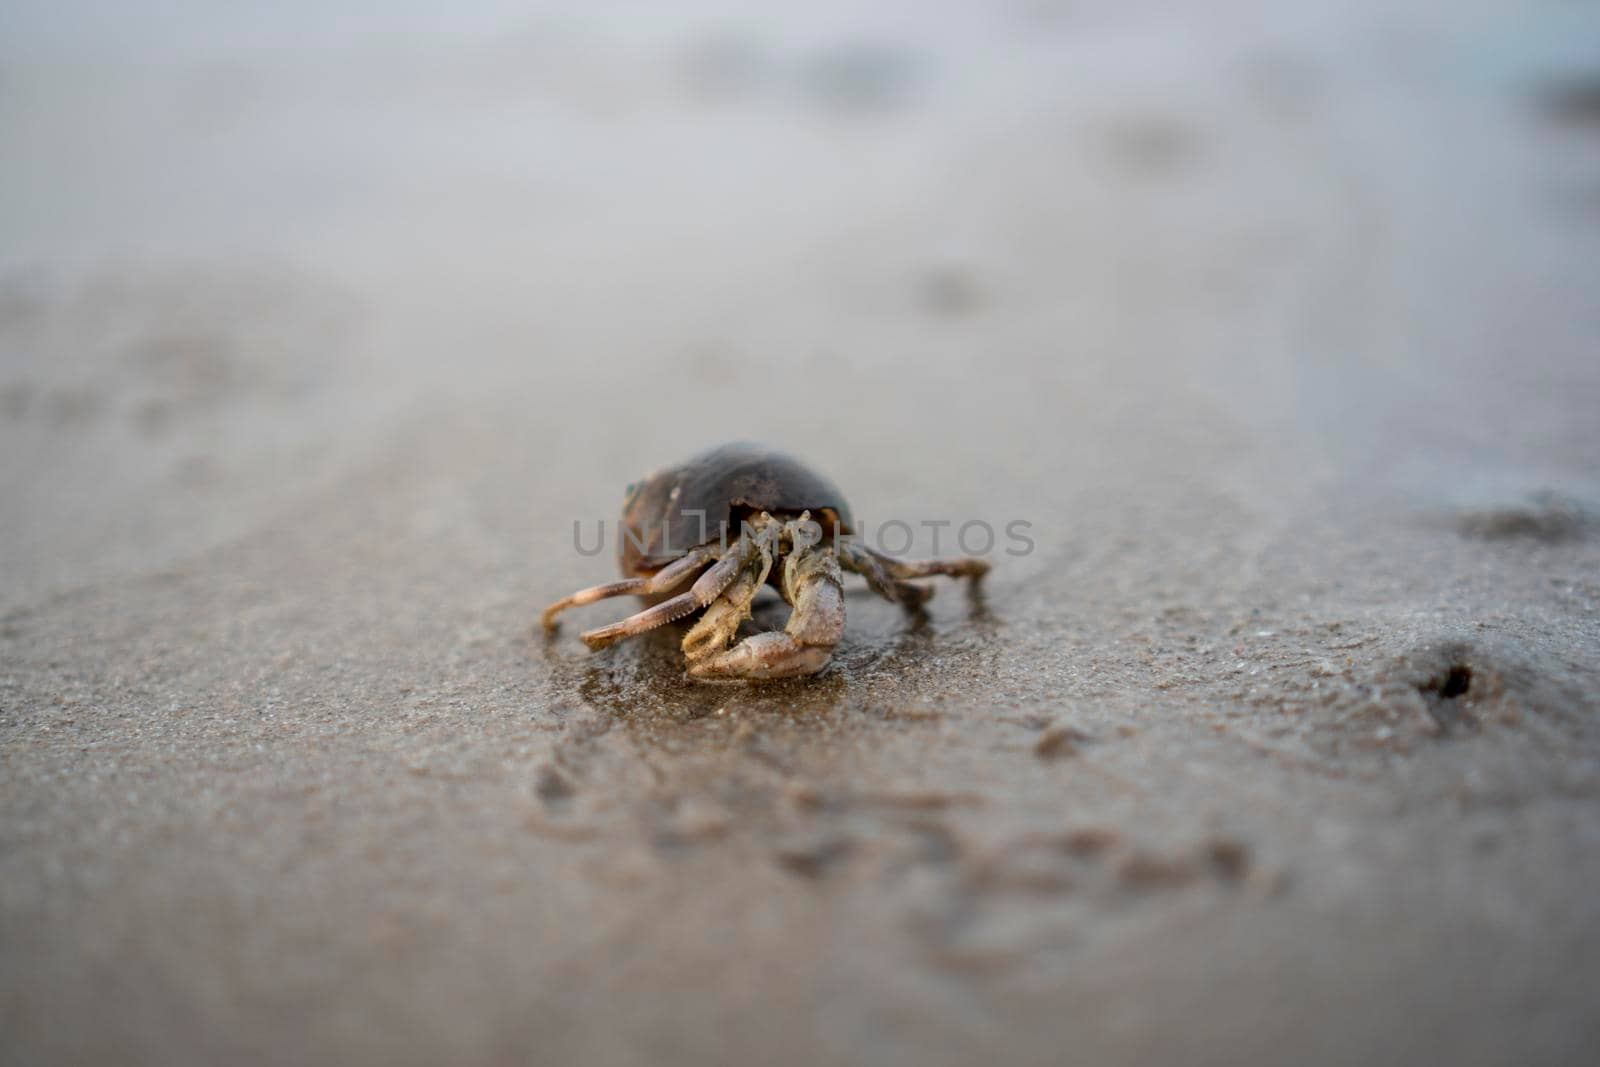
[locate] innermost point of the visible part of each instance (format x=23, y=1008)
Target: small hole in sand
x=1455, y=683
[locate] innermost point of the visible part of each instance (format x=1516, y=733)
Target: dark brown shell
x=661, y=518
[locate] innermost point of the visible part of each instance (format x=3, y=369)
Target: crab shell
x=703, y=501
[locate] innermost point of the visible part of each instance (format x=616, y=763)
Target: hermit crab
x=730, y=521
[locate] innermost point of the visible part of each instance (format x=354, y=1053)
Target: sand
x=1276, y=324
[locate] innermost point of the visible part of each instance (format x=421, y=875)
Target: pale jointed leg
x=855, y=558
x=960, y=567
x=665, y=580
x=758, y=538
x=706, y=588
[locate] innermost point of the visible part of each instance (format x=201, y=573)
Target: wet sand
x=1278, y=328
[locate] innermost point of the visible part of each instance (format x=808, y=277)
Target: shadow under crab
x=790, y=529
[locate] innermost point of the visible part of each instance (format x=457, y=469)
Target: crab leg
x=857, y=559
x=706, y=589
x=813, y=583
x=664, y=580
x=960, y=567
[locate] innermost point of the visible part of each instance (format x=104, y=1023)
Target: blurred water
x=1343, y=237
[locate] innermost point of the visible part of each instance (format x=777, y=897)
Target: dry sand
x=1278, y=324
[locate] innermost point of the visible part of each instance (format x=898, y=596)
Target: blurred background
x=240, y=242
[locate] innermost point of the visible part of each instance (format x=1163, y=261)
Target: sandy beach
x=1275, y=323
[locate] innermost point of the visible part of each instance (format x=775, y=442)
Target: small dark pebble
x=1091, y=841
x=1059, y=742
x=1547, y=517
x=553, y=787
x=812, y=857
x=1230, y=859
x=1147, y=870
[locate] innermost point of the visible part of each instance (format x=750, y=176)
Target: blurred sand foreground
x=1278, y=321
